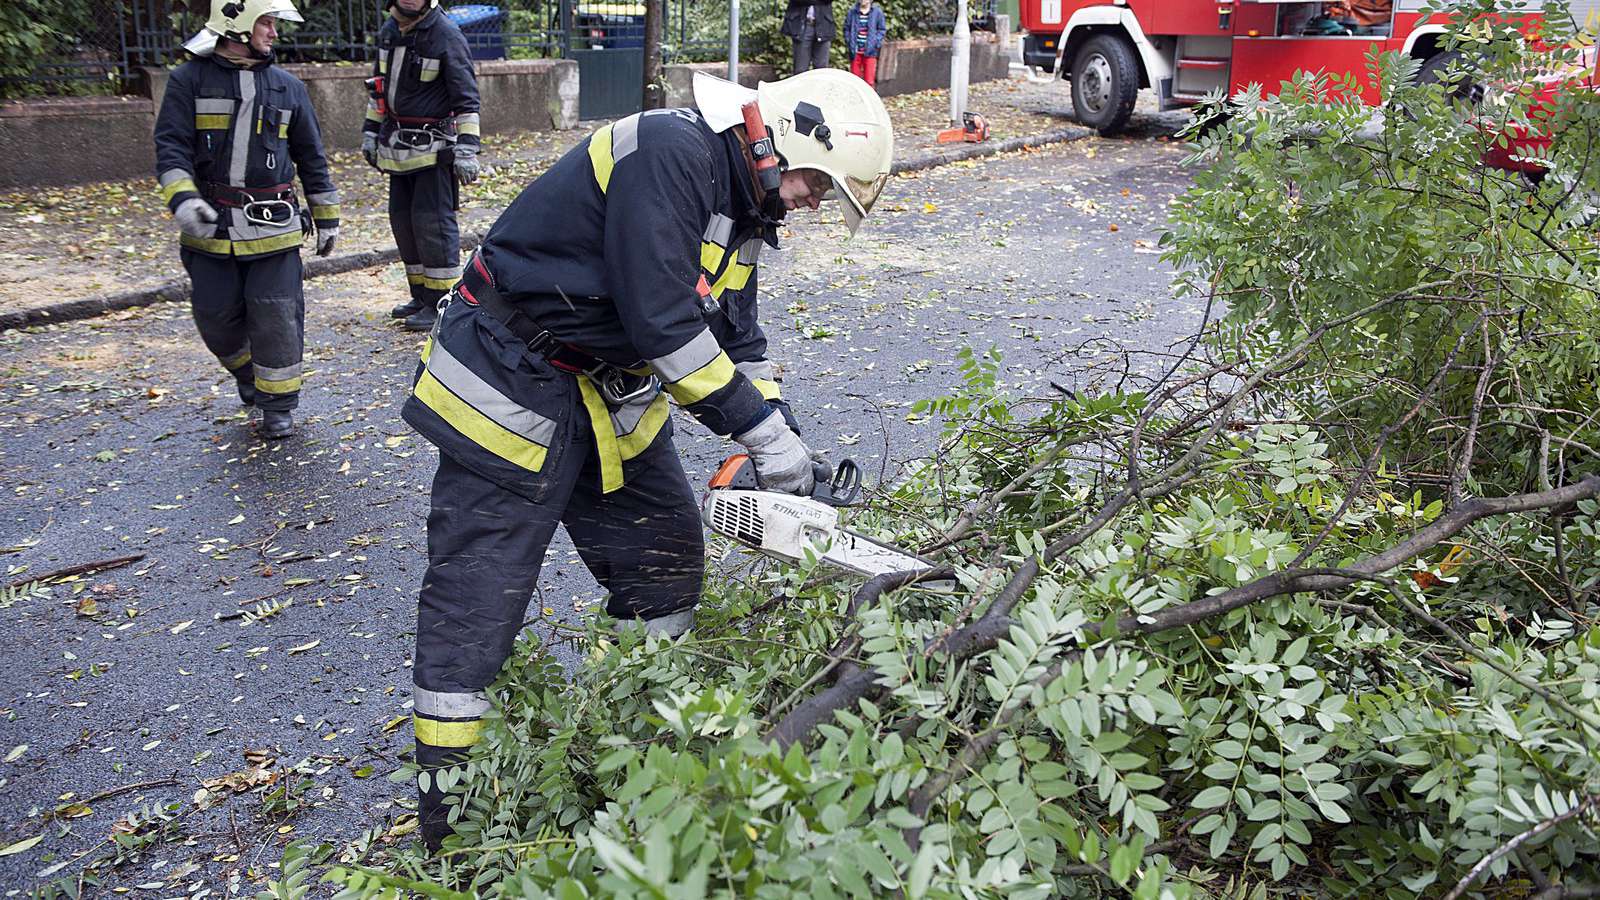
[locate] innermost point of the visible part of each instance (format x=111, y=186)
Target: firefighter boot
x=247, y=389
x=408, y=309
x=276, y=424
x=422, y=319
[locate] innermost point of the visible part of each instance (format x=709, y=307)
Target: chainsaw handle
x=839, y=487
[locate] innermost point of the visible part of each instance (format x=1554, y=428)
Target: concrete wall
x=73, y=140
x=680, y=78
x=905, y=67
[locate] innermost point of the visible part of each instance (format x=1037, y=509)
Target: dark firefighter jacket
x=223, y=126
x=639, y=246
x=430, y=94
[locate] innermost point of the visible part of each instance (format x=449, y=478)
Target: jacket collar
x=747, y=212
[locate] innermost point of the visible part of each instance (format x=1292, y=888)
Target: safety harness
x=266, y=206
x=616, y=384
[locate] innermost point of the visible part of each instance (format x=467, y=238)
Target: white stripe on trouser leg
x=449, y=704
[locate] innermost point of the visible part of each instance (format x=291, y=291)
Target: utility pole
x=655, y=93
x=960, y=57
x=733, y=41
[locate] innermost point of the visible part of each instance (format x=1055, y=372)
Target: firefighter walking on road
x=623, y=276
x=232, y=131
x=422, y=130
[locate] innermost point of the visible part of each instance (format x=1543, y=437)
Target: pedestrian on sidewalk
x=809, y=23
x=623, y=275
x=864, y=28
x=232, y=131
x=422, y=130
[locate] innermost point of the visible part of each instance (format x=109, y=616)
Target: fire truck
x=1183, y=49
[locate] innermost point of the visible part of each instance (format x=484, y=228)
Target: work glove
x=369, y=149
x=325, y=240
x=195, y=218
x=466, y=164
x=782, y=460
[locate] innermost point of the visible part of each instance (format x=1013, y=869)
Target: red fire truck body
x=1183, y=49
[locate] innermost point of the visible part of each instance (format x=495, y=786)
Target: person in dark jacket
x=864, y=28
x=623, y=276
x=809, y=23
x=232, y=131
x=422, y=129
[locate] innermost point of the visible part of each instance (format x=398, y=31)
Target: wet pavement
x=269, y=615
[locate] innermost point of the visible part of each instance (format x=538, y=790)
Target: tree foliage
x=1309, y=609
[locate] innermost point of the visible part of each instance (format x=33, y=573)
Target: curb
x=315, y=267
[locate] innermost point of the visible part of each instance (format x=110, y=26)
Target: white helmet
x=824, y=119
x=234, y=20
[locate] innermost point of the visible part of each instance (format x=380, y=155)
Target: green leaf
x=1213, y=796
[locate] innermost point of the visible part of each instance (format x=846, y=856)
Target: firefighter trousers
x=486, y=544
x=422, y=214
x=251, y=314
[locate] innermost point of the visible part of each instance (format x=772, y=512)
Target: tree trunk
x=655, y=91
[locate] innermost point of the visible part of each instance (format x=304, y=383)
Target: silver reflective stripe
x=468, y=123
x=211, y=106
x=172, y=175
x=449, y=704
x=504, y=411
x=397, y=62
x=719, y=230
x=446, y=272
x=413, y=269
x=750, y=251
x=331, y=198
x=758, y=370
x=282, y=373
x=624, y=137
x=625, y=419
x=688, y=359
x=241, y=128
x=241, y=230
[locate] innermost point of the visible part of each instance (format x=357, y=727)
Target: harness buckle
x=268, y=212
x=417, y=138
x=612, y=383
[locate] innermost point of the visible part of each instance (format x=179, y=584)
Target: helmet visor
x=856, y=197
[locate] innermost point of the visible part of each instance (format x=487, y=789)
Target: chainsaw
x=787, y=527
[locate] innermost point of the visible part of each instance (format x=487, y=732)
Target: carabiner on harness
x=268, y=212
x=417, y=138
x=612, y=383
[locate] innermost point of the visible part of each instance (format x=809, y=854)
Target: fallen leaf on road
x=16, y=752
x=87, y=607
x=394, y=723
x=181, y=627
x=21, y=845
x=304, y=647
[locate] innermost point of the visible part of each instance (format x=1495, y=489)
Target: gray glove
x=466, y=164
x=325, y=240
x=369, y=149
x=195, y=218
x=782, y=460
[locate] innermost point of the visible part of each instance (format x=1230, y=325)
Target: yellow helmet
x=234, y=20
x=825, y=119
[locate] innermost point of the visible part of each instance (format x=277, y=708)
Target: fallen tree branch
x=1483, y=864
x=80, y=569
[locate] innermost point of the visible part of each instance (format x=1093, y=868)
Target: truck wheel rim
x=1096, y=86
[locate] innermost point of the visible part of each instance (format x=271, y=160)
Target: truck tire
x=1105, y=83
x=1433, y=72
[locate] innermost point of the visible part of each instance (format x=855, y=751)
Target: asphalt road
x=121, y=436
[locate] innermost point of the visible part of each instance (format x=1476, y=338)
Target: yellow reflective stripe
x=605, y=436
x=330, y=211
x=373, y=115
x=711, y=256
x=407, y=165
x=644, y=434
x=236, y=361
x=469, y=128
x=768, y=389
x=283, y=130
x=438, y=284
x=702, y=382
x=600, y=157
x=479, y=428
x=414, y=278
x=212, y=121
x=267, y=244
x=427, y=348
x=286, y=386
x=178, y=187
x=737, y=276
x=447, y=734
x=219, y=246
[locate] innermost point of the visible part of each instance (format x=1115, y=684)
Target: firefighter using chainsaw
x=622, y=277
x=232, y=131
x=422, y=130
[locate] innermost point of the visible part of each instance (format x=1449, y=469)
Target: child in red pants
x=864, y=28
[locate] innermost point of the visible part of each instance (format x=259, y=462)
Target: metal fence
x=98, y=46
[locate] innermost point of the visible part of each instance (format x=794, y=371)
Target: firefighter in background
x=624, y=275
x=232, y=131
x=422, y=129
